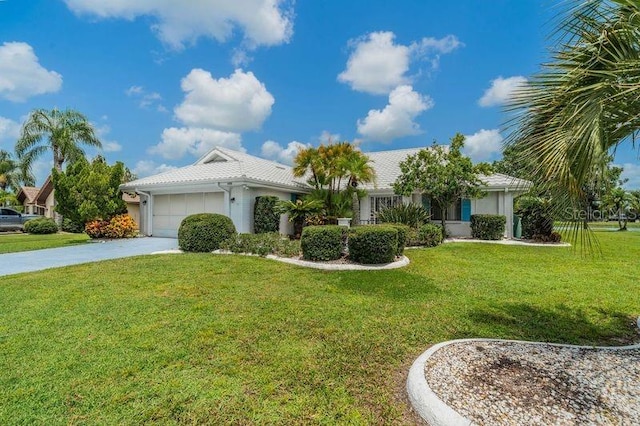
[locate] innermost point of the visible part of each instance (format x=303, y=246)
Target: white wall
x=286, y=227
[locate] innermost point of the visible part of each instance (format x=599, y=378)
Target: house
x=227, y=182
x=133, y=206
x=37, y=200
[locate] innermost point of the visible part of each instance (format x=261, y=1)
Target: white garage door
x=169, y=210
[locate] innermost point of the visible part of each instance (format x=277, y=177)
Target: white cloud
x=145, y=168
x=396, y=119
x=377, y=64
x=177, y=142
x=9, y=132
x=483, y=144
x=238, y=103
x=274, y=151
x=176, y=23
x=111, y=146
x=146, y=99
x=102, y=132
x=326, y=137
x=632, y=172
x=22, y=76
x=501, y=90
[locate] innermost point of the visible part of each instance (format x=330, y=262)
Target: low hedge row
x=403, y=236
x=429, y=235
x=488, y=226
x=373, y=244
x=41, y=225
x=262, y=244
x=204, y=232
x=324, y=242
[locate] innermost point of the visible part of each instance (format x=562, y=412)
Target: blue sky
x=163, y=81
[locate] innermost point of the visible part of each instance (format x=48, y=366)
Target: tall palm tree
x=585, y=102
x=60, y=132
x=358, y=170
x=12, y=173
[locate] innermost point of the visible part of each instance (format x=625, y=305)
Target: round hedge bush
x=41, y=225
x=203, y=232
x=488, y=226
x=430, y=235
x=323, y=242
x=403, y=236
x=373, y=244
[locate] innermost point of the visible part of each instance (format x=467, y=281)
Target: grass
x=613, y=225
x=196, y=338
x=10, y=243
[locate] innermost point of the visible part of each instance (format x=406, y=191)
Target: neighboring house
x=37, y=200
x=133, y=206
x=227, y=182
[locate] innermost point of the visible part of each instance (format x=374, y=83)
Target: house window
x=383, y=202
x=460, y=211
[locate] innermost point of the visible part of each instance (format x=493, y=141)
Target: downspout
x=149, y=211
x=227, y=196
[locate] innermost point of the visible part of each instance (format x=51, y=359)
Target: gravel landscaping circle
x=497, y=382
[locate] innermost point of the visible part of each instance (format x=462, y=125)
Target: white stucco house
x=227, y=182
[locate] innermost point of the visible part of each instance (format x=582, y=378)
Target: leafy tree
x=445, y=175
x=13, y=174
x=89, y=191
x=9, y=199
x=619, y=201
x=584, y=102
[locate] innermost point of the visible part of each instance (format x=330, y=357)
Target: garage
x=169, y=210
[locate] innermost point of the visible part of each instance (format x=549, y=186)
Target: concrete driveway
x=37, y=260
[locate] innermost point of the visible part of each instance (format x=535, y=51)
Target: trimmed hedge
x=430, y=235
x=324, y=242
x=262, y=244
x=204, y=232
x=403, y=236
x=266, y=217
x=488, y=226
x=537, y=216
x=41, y=225
x=373, y=244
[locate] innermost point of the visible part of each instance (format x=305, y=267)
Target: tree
x=445, y=175
x=13, y=174
x=584, y=102
x=619, y=201
x=89, y=191
x=334, y=171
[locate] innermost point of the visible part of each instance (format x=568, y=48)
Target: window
x=383, y=202
x=460, y=211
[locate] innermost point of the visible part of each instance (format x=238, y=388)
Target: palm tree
x=359, y=170
x=12, y=173
x=584, y=103
x=61, y=132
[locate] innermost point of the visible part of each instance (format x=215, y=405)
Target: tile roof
x=219, y=165
x=30, y=193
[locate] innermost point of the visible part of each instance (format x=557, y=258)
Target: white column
x=508, y=211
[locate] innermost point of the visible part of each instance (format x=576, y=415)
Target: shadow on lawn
x=560, y=324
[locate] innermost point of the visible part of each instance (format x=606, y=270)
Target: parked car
x=12, y=220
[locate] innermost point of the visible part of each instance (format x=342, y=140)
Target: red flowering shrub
x=120, y=226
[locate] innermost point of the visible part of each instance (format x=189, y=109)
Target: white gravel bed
x=519, y=383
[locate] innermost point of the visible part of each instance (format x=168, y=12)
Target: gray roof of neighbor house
x=387, y=167
x=223, y=165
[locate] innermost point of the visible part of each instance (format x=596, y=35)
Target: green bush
x=69, y=225
x=403, y=236
x=537, y=216
x=262, y=244
x=411, y=214
x=204, y=232
x=266, y=216
x=41, y=225
x=323, y=242
x=554, y=237
x=430, y=235
x=373, y=244
x=488, y=226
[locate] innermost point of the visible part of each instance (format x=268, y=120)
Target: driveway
x=37, y=260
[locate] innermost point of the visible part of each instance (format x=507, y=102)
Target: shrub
x=554, y=237
x=266, y=216
x=69, y=225
x=537, y=217
x=262, y=244
x=96, y=228
x=488, y=226
x=323, y=242
x=411, y=214
x=373, y=244
x=121, y=226
x=204, y=232
x=41, y=225
x=430, y=235
x=403, y=236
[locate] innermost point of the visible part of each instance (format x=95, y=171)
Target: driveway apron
x=37, y=260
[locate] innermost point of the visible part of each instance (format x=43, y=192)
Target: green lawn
x=13, y=242
x=614, y=224
x=198, y=338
